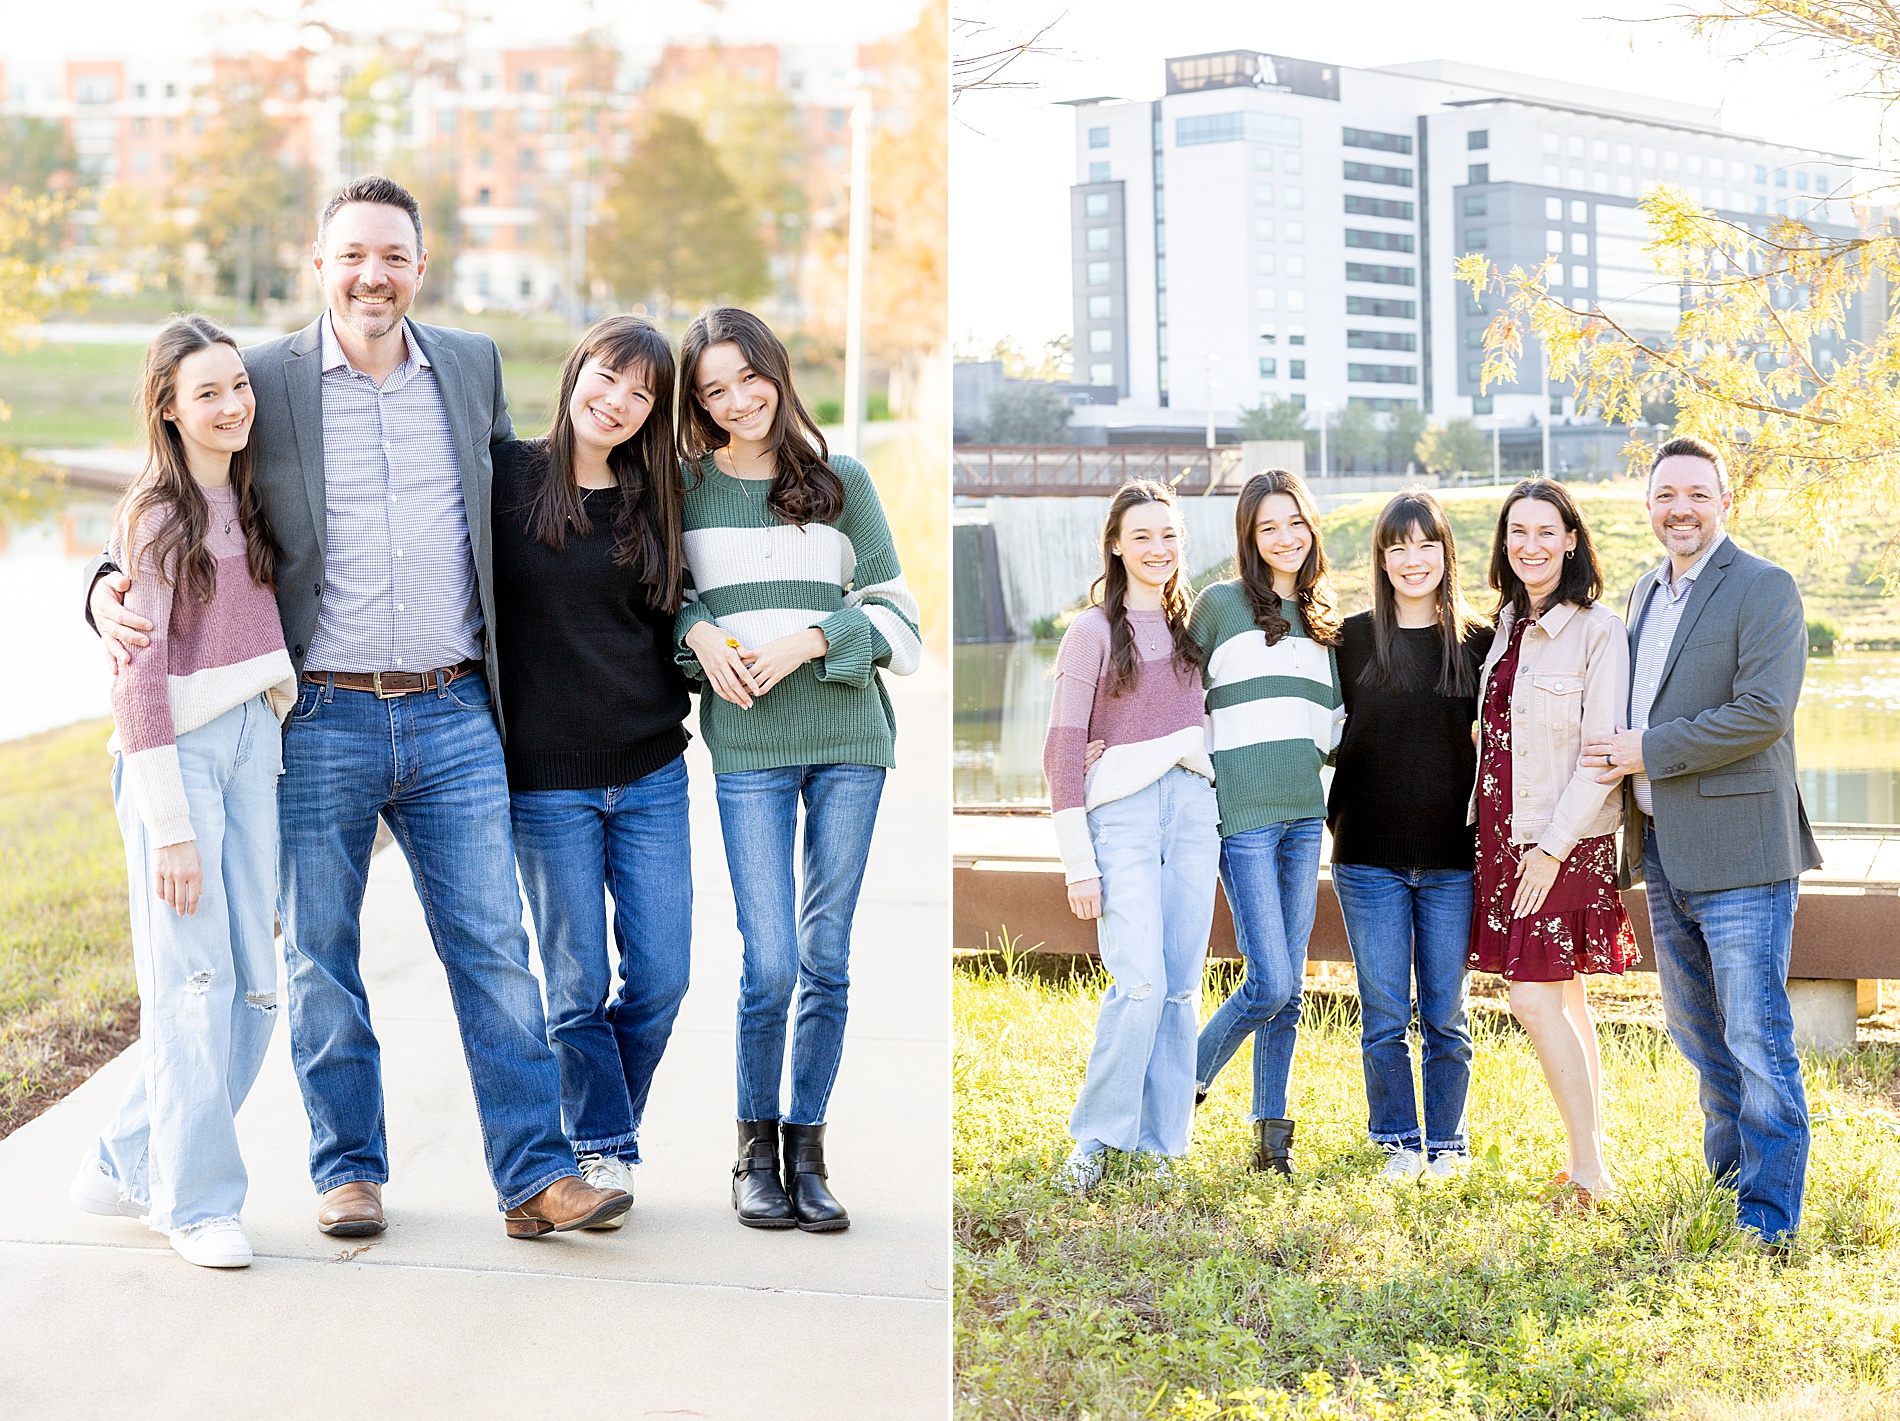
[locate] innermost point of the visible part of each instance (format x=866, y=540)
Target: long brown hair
x=1110, y=590
x=804, y=488
x=1313, y=588
x=647, y=516
x=166, y=497
x=1581, y=580
x=1409, y=510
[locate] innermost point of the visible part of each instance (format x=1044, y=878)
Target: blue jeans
x=1401, y=922
x=430, y=765
x=207, y=983
x=794, y=940
x=634, y=840
x=1271, y=875
x=1722, y=958
x=1157, y=849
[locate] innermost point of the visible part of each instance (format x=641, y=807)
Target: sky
x=186, y=27
x=1012, y=150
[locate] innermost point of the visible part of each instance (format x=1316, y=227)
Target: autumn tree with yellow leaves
x=1786, y=353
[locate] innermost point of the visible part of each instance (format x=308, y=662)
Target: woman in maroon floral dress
x=1546, y=906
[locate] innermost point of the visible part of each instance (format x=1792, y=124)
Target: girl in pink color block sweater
x=198, y=751
x=1137, y=831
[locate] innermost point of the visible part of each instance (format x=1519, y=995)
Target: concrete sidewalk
x=681, y=1313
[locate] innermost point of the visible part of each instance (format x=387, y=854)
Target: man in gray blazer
x=371, y=458
x=1715, y=827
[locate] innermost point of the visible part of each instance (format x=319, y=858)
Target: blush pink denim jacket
x=1573, y=685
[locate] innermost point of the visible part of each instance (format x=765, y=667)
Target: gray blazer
x=287, y=443
x=1719, y=750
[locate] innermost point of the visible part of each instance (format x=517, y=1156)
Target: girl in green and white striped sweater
x=1274, y=717
x=794, y=600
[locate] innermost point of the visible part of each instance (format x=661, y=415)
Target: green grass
x=70, y=396
x=1227, y=1293
x=67, y=989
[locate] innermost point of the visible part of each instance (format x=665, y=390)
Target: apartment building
x=525, y=136
x=1276, y=227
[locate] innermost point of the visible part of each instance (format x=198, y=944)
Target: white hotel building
x=1285, y=228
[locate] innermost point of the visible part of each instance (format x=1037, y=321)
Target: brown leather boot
x=353, y=1210
x=568, y=1203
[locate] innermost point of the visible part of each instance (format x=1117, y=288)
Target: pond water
x=1847, y=730
x=55, y=672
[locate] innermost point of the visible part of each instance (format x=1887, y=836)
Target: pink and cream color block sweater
x=1158, y=724
x=204, y=659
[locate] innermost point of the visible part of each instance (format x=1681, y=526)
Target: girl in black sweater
x=1402, y=851
x=588, y=560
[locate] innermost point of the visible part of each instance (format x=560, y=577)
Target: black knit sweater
x=589, y=690
x=1406, y=763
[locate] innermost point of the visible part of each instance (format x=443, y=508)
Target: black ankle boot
x=756, y=1191
x=1273, y=1146
x=812, y=1202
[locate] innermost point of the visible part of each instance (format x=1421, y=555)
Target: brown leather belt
x=387, y=685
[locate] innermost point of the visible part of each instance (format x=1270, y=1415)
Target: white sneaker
x=214, y=1246
x=97, y=1192
x=607, y=1172
x=1082, y=1170
x=1402, y=1164
x=1452, y=1164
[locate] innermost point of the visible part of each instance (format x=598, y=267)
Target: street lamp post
x=1211, y=387
x=858, y=242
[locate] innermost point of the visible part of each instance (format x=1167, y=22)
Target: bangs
x=1407, y=514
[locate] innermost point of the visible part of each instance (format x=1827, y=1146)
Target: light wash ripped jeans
x=1159, y=853
x=207, y=983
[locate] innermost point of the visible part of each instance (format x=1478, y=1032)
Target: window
x=1101, y=342
x=1671, y=161
x=1296, y=335
x=1580, y=276
x=138, y=91
x=1263, y=229
x=1574, y=146
x=1624, y=186
x=1296, y=369
x=525, y=195
x=1267, y=336
x=483, y=197
x=1269, y=367
x=1474, y=338
x=1781, y=177
x=1478, y=138
x=1384, y=142
x=1296, y=300
x=1373, y=173
x=1266, y=298
x=1292, y=196
x=1553, y=209
x=1551, y=144
x=1781, y=206
x=1599, y=182
x=1098, y=172
x=1233, y=127
x=1692, y=165
x=1475, y=204
x=1095, y=205
x=1476, y=239
x=1263, y=194
x=1599, y=150
x=1737, y=170
x=1098, y=273
x=1801, y=182
x=1761, y=202
x=1574, y=178
x=1625, y=154
x=1296, y=267
x=1382, y=374
x=171, y=91
x=1579, y=244
x=1381, y=340
x=1646, y=157
x=527, y=160
x=1579, y=210
x=1381, y=306
x=484, y=159
x=1474, y=372
x=1098, y=138
x=1476, y=173
x=1098, y=239
x=1556, y=404
x=1382, y=275
x=1292, y=163
x=485, y=120
x=1263, y=264
x=1102, y=374
x=1357, y=206
x=1379, y=241
x=1761, y=173
x=1553, y=240
x=527, y=120
x=1263, y=159
x=1099, y=308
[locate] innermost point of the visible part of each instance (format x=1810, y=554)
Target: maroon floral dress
x=1582, y=926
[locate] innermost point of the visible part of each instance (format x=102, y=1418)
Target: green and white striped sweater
x=761, y=578
x=1274, y=712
